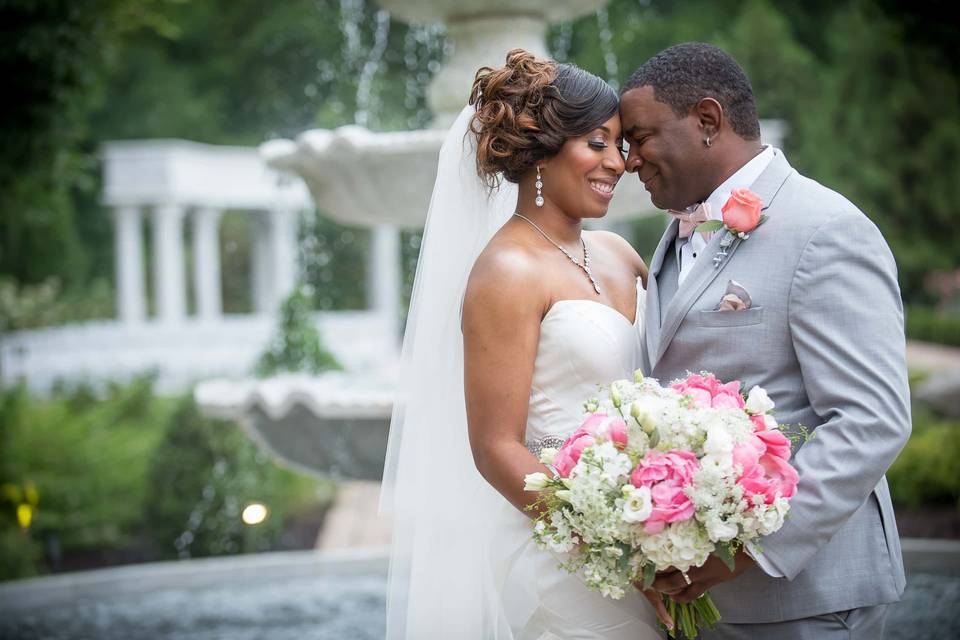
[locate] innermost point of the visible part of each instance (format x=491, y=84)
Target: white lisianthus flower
x=758, y=401
x=637, y=505
x=535, y=481
x=719, y=441
x=719, y=464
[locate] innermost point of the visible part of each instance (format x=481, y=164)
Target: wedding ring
x=686, y=578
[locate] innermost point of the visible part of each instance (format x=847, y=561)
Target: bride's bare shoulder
x=507, y=273
x=617, y=245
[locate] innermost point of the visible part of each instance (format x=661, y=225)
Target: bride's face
x=580, y=179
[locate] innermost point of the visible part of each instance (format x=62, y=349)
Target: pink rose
x=706, y=391
x=772, y=476
x=747, y=454
x=592, y=423
x=666, y=475
x=741, y=213
x=700, y=388
x=569, y=453
x=759, y=424
x=728, y=396
x=615, y=430
x=777, y=444
x=766, y=471
x=599, y=424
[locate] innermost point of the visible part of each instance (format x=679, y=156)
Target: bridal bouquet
x=658, y=478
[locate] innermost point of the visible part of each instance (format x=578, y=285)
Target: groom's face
x=666, y=152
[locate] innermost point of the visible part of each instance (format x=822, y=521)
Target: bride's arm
x=502, y=309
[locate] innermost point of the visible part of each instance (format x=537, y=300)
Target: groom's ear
x=709, y=116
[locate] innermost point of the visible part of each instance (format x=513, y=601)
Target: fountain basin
x=332, y=425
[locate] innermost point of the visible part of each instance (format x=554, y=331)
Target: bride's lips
x=603, y=188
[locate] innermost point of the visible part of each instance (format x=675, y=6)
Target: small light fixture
x=254, y=513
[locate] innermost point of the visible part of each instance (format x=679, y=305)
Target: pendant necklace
x=585, y=265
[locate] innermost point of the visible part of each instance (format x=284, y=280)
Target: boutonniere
x=741, y=215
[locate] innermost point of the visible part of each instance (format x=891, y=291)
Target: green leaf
x=725, y=552
x=624, y=561
x=654, y=438
x=710, y=225
x=649, y=574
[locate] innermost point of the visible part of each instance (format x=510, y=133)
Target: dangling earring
x=539, y=186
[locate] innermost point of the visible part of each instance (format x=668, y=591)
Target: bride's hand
x=656, y=601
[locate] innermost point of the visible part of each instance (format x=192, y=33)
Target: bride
x=517, y=315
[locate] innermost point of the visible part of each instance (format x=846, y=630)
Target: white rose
x=770, y=520
x=720, y=531
x=758, y=401
x=637, y=505
x=535, y=481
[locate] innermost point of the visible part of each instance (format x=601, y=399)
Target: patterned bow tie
x=691, y=218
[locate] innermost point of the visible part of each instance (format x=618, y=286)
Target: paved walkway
x=353, y=521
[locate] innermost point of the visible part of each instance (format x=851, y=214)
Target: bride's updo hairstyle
x=528, y=108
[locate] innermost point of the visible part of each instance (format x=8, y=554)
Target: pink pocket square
x=735, y=298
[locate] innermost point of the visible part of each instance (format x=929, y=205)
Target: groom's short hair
x=684, y=74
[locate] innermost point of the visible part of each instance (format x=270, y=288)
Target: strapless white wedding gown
x=583, y=344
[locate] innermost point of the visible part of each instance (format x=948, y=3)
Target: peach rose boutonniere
x=741, y=215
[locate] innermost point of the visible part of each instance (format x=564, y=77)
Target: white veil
x=442, y=584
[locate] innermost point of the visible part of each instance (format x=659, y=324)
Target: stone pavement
x=353, y=521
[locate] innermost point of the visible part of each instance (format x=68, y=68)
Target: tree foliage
x=868, y=89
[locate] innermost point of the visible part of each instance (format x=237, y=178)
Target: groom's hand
x=712, y=573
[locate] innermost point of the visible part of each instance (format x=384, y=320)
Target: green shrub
x=203, y=474
x=929, y=325
x=297, y=345
x=119, y=466
x=927, y=473
x=88, y=461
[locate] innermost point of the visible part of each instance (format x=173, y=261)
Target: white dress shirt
x=689, y=248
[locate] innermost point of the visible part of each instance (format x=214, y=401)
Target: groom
x=808, y=307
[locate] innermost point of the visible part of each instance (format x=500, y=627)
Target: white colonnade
x=175, y=186
x=274, y=235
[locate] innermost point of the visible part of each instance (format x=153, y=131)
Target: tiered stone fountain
x=338, y=423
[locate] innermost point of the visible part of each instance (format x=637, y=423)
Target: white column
x=206, y=263
x=261, y=264
x=169, y=272
x=384, y=274
x=128, y=260
x=283, y=253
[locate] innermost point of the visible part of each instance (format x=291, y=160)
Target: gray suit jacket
x=825, y=338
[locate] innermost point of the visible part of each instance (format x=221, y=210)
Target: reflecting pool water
x=334, y=605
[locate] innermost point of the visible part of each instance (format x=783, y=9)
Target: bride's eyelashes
x=600, y=145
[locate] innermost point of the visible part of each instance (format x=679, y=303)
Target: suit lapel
x=653, y=312
x=704, y=272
